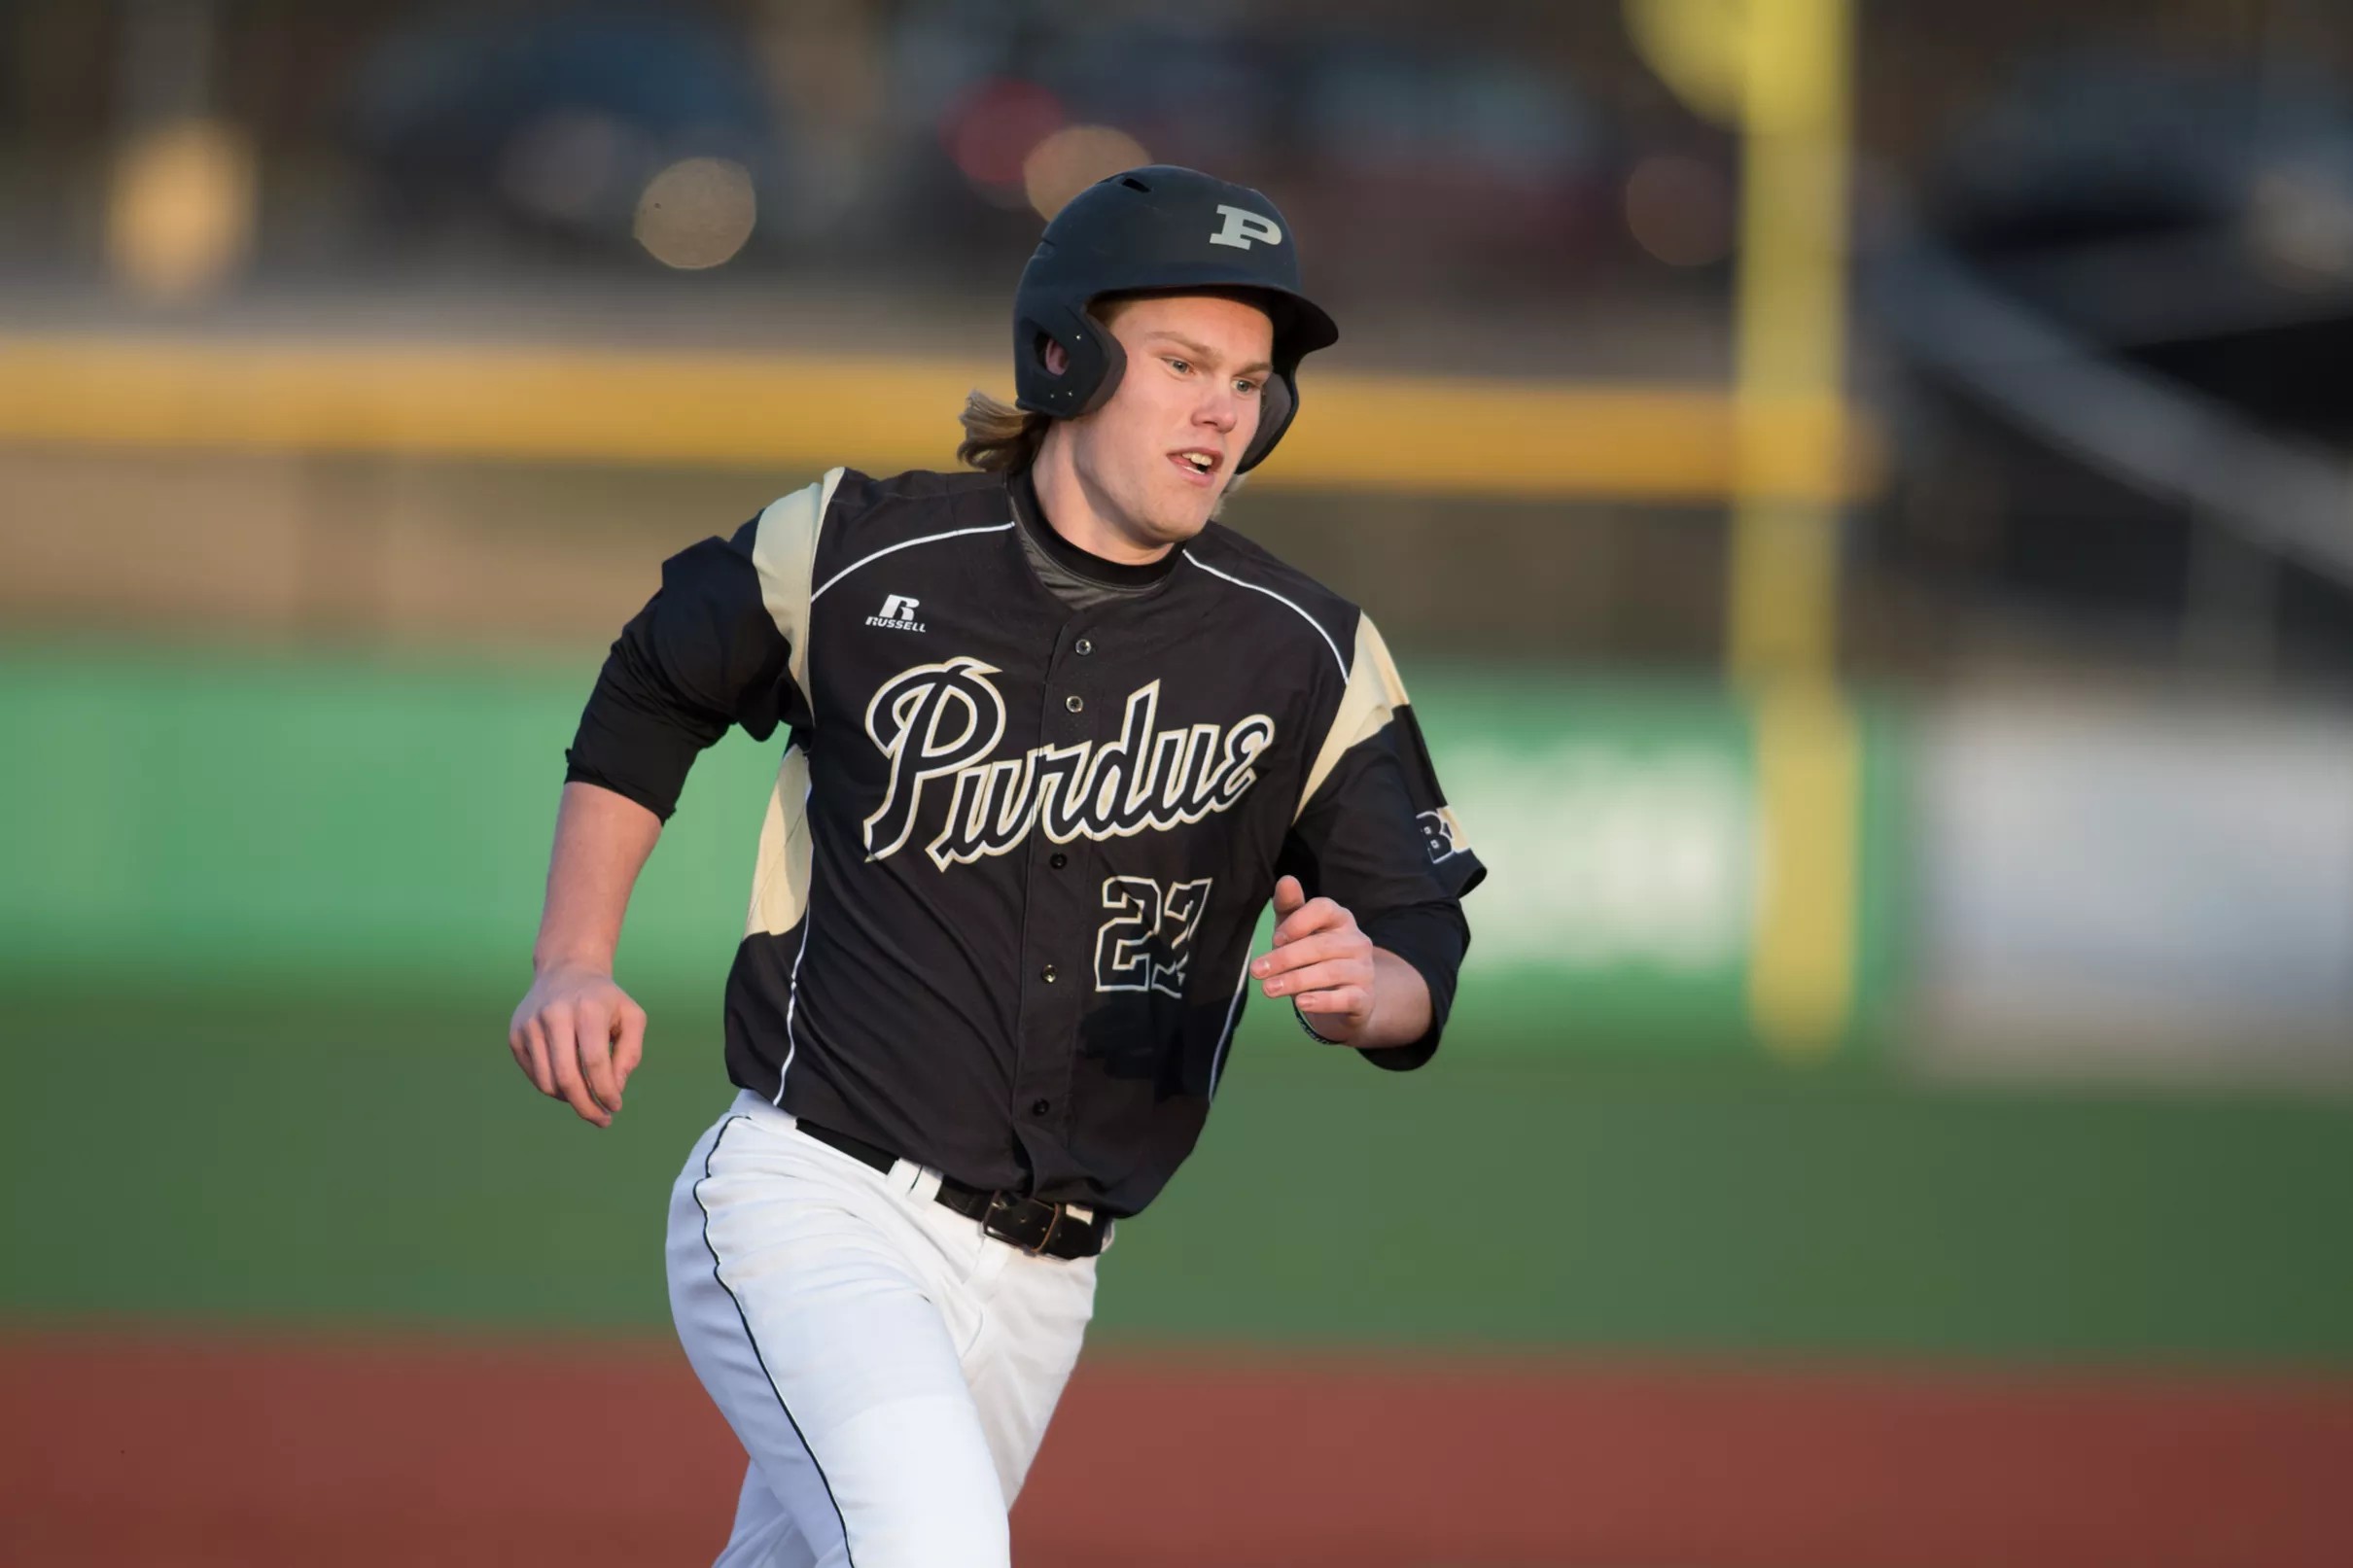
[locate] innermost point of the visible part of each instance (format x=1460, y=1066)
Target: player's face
x=1157, y=457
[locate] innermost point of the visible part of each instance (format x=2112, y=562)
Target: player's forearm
x=601, y=843
x=1401, y=1010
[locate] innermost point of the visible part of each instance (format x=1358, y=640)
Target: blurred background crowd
x=2152, y=203
x=1862, y=490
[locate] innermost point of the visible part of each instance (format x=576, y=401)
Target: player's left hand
x=1321, y=961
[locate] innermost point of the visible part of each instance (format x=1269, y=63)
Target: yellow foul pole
x=1783, y=71
x=1792, y=333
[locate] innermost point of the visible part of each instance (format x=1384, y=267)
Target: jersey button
x=1085, y=646
x=1046, y=974
x=1038, y=1107
x=1074, y=702
x=1060, y=860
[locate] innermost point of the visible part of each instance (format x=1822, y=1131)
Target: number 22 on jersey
x=1147, y=943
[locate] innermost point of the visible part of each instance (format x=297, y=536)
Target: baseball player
x=1055, y=739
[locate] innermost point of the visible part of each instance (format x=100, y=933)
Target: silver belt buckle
x=991, y=1227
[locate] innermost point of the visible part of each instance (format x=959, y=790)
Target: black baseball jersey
x=1005, y=890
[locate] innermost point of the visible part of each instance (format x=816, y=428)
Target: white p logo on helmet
x=1242, y=225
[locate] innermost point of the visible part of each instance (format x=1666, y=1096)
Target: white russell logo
x=942, y=723
x=897, y=614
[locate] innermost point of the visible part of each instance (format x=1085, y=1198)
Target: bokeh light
x=990, y=132
x=180, y=215
x=1073, y=157
x=2300, y=225
x=696, y=213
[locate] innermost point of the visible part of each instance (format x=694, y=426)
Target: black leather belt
x=1029, y=1223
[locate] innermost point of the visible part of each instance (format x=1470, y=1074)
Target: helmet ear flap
x=1115, y=358
x=1095, y=358
x=1277, y=404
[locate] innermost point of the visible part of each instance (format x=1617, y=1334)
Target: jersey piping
x=784, y=1069
x=1278, y=598
x=1225, y=1038
x=907, y=544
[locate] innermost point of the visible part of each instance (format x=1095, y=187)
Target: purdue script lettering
x=943, y=721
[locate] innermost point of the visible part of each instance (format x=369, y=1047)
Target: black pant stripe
x=753, y=1341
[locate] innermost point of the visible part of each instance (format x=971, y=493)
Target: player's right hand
x=577, y=1037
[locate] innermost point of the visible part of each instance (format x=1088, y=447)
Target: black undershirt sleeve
x=1361, y=841
x=703, y=654
x=1433, y=938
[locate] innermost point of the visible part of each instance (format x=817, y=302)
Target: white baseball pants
x=888, y=1369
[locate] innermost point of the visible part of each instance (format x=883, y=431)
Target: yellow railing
x=1434, y=436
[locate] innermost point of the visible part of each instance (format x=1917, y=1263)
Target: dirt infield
x=203, y=1452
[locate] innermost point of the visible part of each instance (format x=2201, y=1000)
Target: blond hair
x=998, y=437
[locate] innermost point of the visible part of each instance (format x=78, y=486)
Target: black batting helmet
x=1158, y=228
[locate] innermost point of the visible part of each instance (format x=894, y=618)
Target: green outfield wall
x=291, y=823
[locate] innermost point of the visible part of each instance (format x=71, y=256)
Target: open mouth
x=1198, y=465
